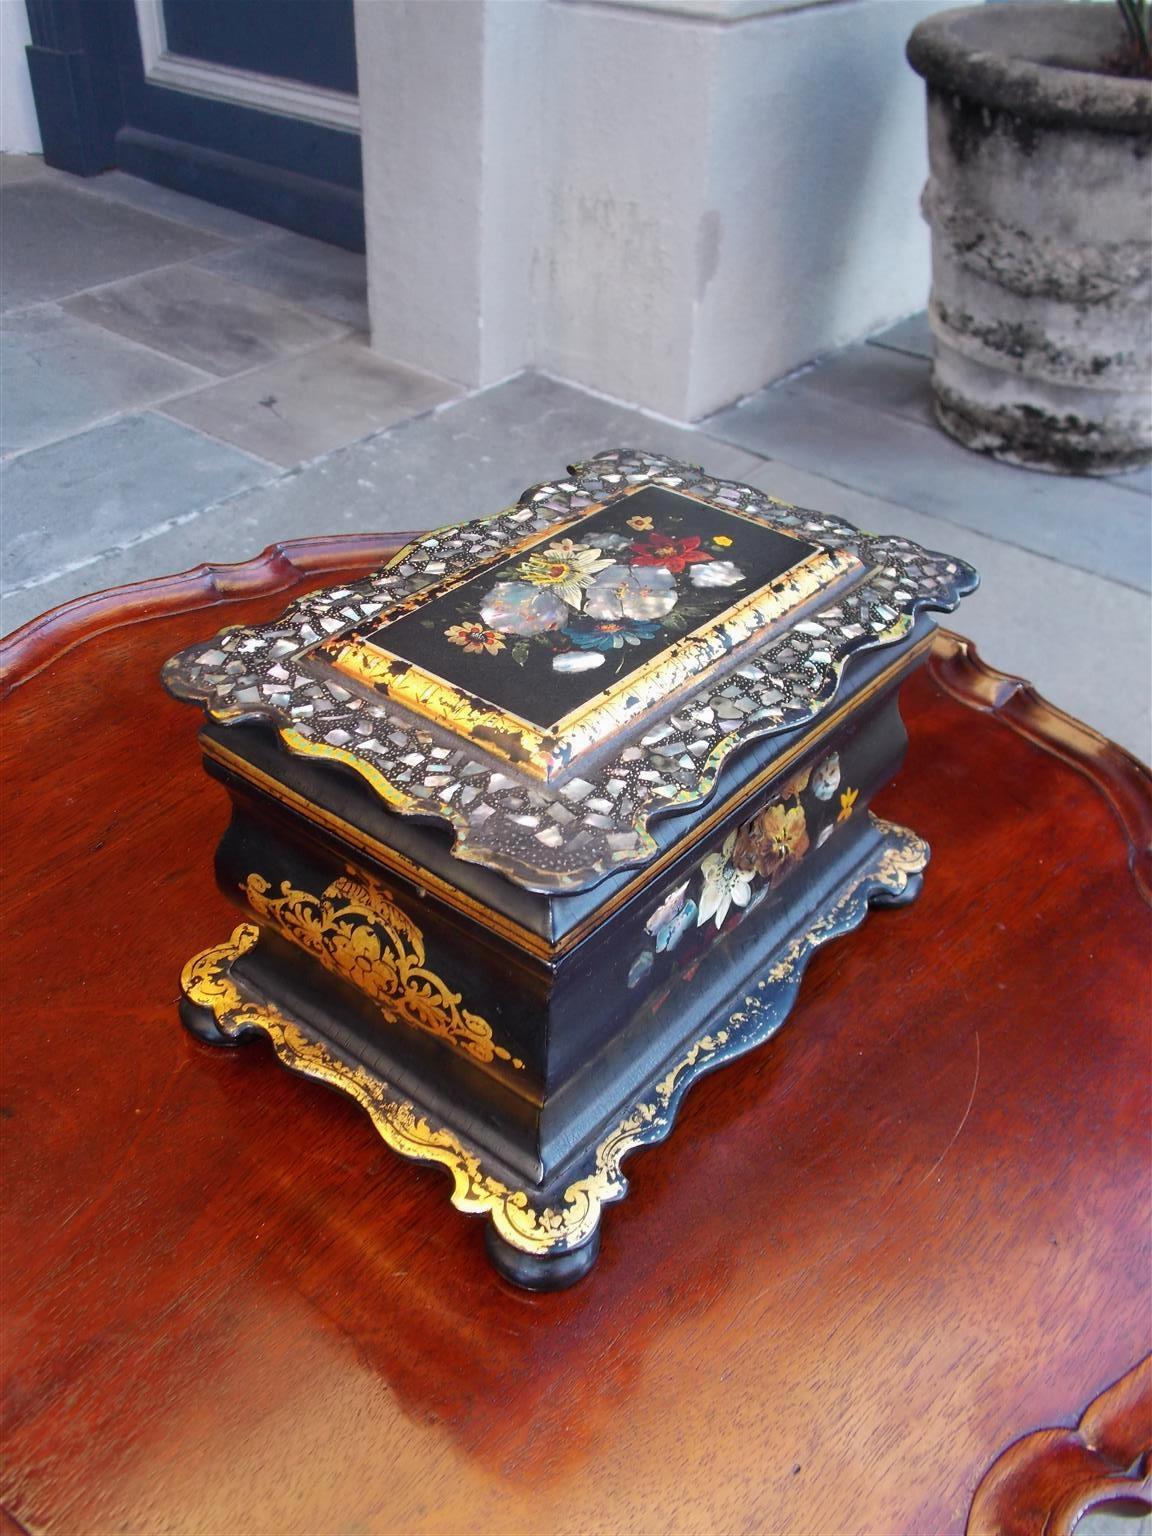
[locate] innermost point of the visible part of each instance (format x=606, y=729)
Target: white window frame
x=266, y=93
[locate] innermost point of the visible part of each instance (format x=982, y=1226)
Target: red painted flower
x=673, y=554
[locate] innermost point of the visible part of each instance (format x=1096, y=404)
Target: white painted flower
x=614, y=541
x=577, y=661
x=724, y=885
x=667, y=910
x=672, y=919
x=519, y=608
x=669, y=936
x=631, y=592
x=717, y=573
x=825, y=780
x=564, y=568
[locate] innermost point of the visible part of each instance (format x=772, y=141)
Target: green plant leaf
x=1136, y=18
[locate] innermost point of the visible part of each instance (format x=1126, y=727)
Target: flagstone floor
x=181, y=384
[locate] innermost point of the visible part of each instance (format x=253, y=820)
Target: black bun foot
x=201, y=1022
x=552, y=1273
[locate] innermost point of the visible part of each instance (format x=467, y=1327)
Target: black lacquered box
x=542, y=821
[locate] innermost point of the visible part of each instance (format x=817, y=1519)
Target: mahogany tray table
x=895, y=1278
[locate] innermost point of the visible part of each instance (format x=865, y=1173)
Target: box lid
x=547, y=680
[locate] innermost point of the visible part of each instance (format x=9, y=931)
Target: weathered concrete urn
x=1039, y=198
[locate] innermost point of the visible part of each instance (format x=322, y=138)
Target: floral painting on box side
x=754, y=860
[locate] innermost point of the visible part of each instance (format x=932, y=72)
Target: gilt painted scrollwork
x=356, y=931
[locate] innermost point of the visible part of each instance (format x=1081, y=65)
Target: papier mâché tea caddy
x=541, y=821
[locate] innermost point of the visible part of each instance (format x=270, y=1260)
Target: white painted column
x=672, y=202
x=451, y=177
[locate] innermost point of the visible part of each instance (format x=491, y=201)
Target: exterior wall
x=671, y=202
x=19, y=130
x=631, y=115
x=816, y=161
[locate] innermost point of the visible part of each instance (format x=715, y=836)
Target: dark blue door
x=248, y=103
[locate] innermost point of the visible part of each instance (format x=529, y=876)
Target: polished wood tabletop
x=889, y=1274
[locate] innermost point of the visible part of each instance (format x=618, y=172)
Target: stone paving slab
x=1095, y=525
x=58, y=241
x=68, y=504
x=202, y=318
x=1084, y=642
x=177, y=206
x=307, y=405
x=876, y=378
x=1101, y=1523
x=913, y=335
x=324, y=278
x=62, y=375
x=18, y=168
x=468, y=459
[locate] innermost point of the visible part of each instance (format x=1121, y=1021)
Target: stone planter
x=1039, y=198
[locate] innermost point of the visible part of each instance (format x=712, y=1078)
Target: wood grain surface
x=874, y=1256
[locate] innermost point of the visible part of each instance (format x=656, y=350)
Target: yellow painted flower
x=475, y=638
x=641, y=524
x=847, y=801
x=785, y=831
x=723, y=541
x=773, y=842
x=564, y=568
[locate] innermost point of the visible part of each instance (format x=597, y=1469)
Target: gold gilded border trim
x=207, y=982
x=515, y=933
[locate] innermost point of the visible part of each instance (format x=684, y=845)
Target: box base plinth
x=548, y=1237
